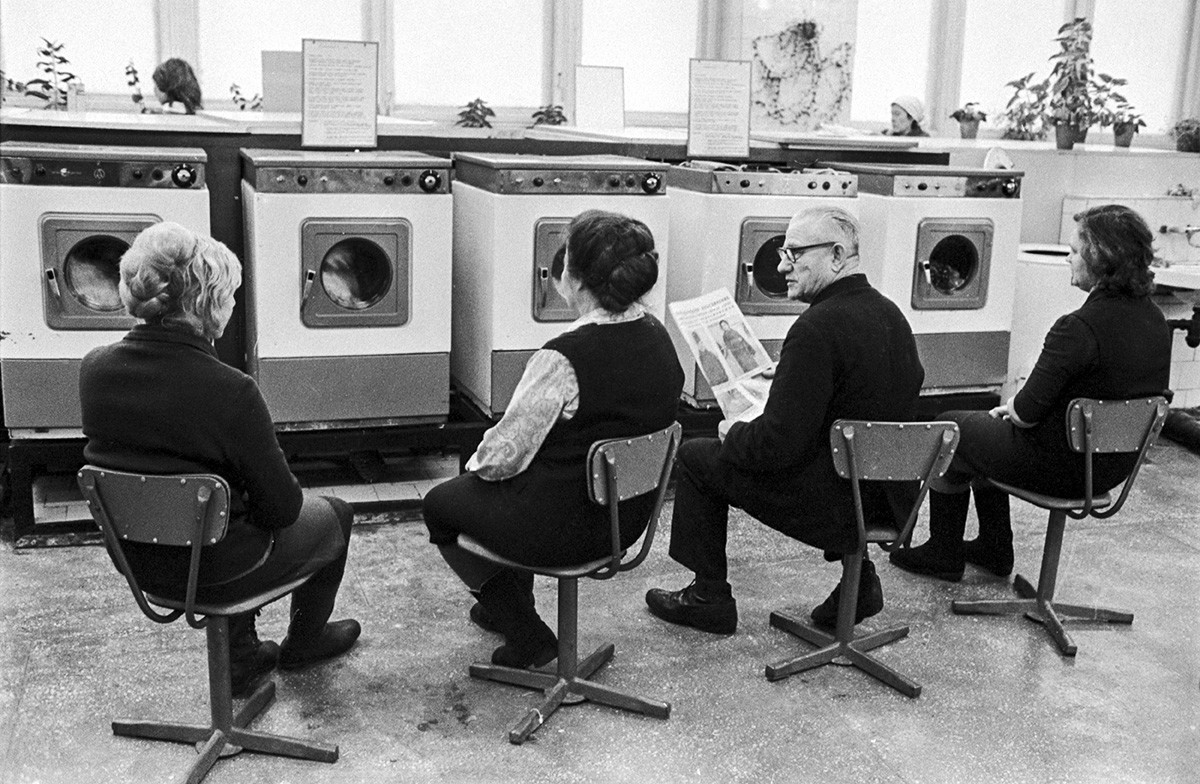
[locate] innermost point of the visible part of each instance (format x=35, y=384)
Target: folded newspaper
x=728, y=354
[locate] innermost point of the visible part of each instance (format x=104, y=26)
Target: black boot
x=480, y=616
x=507, y=599
x=250, y=659
x=942, y=555
x=870, y=599
x=993, y=548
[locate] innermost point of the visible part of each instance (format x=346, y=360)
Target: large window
x=891, y=56
x=653, y=42
x=234, y=34
x=1004, y=40
x=98, y=39
x=449, y=53
x=1141, y=42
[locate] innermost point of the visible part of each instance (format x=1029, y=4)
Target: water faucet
x=1187, y=231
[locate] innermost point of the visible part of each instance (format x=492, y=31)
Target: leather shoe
x=870, y=600
x=929, y=561
x=994, y=558
x=533, y=649
x=685, y=608
x=336, y=638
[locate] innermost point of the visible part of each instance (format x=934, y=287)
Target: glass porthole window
x=92, y=272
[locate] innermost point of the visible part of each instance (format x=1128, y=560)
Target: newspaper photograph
x=728, y=354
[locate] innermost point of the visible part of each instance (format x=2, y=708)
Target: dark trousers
x=316, y=544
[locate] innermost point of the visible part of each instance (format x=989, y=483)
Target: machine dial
x=429, y=181
x=651, y=182
x=1009, y=187
x=183, y=175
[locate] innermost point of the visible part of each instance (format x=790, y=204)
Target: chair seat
x=573, y=570
x=1053, y=502
x=231, y=608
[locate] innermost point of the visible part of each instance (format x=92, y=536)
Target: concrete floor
x=1000, y=704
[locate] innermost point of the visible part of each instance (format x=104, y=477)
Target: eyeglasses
x=792, y=255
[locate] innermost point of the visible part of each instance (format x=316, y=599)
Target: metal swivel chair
x=870, y=451
x=1093, y=427
x=189, y=510
x=618, y=469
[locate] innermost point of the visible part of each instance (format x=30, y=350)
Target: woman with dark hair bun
x=1116, y=347
x=176, y=87
x=613, y=373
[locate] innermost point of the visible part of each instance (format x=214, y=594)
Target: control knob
x=302, y=179
x=429, y=181
x=651, y=182
x=614, y=180
x=1009, y=187
x=389, y=180
x=183, y=175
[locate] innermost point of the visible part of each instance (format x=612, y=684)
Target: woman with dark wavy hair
x=1117, y=346
x=176, y=87
x=613, y=373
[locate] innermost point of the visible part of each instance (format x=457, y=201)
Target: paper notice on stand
x=600, y=98
x=719, y=109
x=340, y=81
x=728, y=354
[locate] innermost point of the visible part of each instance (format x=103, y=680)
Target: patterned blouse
x=548, y=391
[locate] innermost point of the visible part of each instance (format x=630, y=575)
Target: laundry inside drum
x=356, y=273
x=767, y=277
x=92, y=271
x=952, y=264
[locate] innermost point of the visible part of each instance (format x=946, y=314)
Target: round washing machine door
x=761, y=288
x=81, y=269
x=952, y=265
x=355, y=273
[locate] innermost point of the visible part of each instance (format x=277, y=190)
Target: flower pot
x=1123, y=134
x=968, y=128
x=1067, y=136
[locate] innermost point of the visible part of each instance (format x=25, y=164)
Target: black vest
x=629, y=383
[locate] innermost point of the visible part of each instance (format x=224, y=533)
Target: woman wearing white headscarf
x=908, y=112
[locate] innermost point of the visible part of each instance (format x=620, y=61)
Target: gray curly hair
x=172, y=276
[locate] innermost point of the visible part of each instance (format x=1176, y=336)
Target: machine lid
x=555, y=162
x=758, y=180
x=324, y=159
x=88, y=152
x=922, y=169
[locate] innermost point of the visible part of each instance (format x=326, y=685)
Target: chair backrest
x=623, y=468
x=183, y=510
x=1112, y=426
x=891, y=452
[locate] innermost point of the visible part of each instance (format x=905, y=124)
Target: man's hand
x=1000, y=412
x=723, y=428
x=768, y=373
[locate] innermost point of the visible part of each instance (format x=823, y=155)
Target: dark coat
x=851, y=354
x=160, y=402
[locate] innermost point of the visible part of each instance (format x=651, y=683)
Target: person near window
x=176, y=88
x=1117, y=346
x=851, y=354
x=160, y=402
x=908, y=112
x=613, y=373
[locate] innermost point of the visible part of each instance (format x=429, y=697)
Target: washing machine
x=942, y=243
x=67, y=215
x=348, y=286
x=510, y=218
x=1043, y=294
x=727, y=225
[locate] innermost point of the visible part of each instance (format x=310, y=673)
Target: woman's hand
x=1000, y=412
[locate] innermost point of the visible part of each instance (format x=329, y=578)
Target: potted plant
x=550, y=114
x=1072, y=98
x=1113, y=109
x=969, y=117
x=1125, y=123
x=1187, y=135
x=475, y=115
x=52, y=87
x=1025, y=114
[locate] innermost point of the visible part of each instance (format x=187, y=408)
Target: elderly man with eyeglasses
x=851, y=354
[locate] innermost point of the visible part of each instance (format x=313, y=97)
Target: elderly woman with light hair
x=160, y=402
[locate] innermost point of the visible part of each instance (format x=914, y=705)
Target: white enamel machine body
x=67, y=215
x=348, y=286
x=942, y=243
x=727, y=225
x=510, y=218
